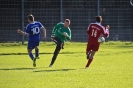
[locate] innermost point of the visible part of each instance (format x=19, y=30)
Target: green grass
x=111, y=68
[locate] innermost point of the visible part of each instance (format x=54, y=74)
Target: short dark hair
x=30, y=17
x=98, y=18
x=67, y=20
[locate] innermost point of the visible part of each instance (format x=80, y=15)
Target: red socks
x=89, y=62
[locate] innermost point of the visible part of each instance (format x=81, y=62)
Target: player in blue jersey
x=33, y=32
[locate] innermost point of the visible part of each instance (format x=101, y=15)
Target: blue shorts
x=32, y=44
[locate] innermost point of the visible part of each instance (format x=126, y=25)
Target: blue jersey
x=33, y=29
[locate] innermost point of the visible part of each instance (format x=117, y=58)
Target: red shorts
x=92, y=46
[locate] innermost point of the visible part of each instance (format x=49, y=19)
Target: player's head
x=66, y=23
x=30, y=18
x=99, y=19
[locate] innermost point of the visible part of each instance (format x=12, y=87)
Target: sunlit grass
x=111, y=68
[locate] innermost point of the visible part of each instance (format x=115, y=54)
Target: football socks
x=31, y=56
x=89, y=62
x=37, y=53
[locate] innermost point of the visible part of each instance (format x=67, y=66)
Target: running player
x=95, y=30
x=33, y=32
x=61, y=32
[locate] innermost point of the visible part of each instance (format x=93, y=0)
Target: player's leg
x=88, y=49
x=36, y=52
x=31, y=46
x=62, y=45
x=36, y=49
x=32, y=57
x=90, y=58
x=88, y=54
x=95, y=47
x=57, y=50
x=30, y=54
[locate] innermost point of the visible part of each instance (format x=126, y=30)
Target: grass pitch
x=111, y=68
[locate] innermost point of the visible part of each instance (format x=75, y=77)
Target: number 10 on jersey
x=35, y=30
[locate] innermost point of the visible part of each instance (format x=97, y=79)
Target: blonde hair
x=67, y=20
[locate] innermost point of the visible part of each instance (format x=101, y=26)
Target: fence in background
x=117, y=13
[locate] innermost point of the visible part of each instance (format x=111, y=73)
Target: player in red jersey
x=95, y=30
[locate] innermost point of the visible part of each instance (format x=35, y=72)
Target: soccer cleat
x=37, y=57
x=86, y=67
x=34, y=62
x=50, y=65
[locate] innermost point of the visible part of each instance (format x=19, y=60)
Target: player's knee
x=36, y=48
x=91, y=58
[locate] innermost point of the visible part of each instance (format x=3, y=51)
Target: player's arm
x=55, y=29
x=68, y=35
x=21, y=32
x=88, y=30
x=106, y=33
x=44, y=32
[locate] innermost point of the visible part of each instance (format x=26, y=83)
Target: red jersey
x=95, y=30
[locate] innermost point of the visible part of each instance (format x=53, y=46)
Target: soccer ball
x=101, y=39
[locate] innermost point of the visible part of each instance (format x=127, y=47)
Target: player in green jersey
x=61, y=32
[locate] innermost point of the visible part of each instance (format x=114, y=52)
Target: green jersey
x=58, y=31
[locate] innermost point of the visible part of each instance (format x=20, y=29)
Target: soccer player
x=61, y=32
x=95, y=30
x=33, y=32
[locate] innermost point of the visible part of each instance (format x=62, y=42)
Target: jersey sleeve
x=27, y=29
x=40, y=25
x=106, y=32
x=88, y=30
x=69, y=35
x=55, y=28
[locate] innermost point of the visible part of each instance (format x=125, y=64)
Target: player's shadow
x=39, y=53
x=7, y=69
x=54, y=70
